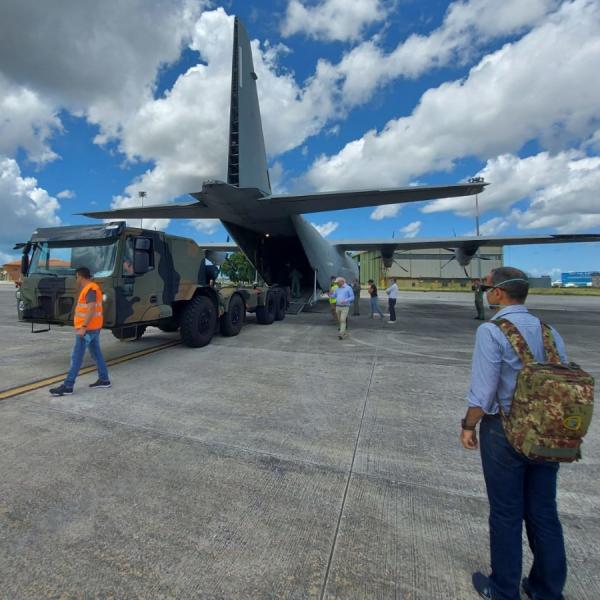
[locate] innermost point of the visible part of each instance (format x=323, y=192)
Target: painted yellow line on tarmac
x=36, y=385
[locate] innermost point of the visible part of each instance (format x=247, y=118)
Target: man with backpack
x=515, y=355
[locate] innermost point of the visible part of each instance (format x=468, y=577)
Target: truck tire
x=265, y=315
x=280, y=306
x=232, y=321
x=168, y=325
x=129, y=334
x=198, y=322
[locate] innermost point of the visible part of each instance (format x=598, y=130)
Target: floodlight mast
x=477, y=180
x=142, y=195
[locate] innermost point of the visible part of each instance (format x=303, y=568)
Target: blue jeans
x=520, y=489
x=374, y=305
x=79, y=352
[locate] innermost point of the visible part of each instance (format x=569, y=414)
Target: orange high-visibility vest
x=81, y=308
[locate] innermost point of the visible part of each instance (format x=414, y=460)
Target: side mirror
x=141, y=262
x=24, y=263
x=142, y=244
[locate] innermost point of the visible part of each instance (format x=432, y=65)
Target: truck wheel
x=280, y=306
x=198, y=322
x=168, y=325
x=265, y=315
x=129, y=334
x=232, y=321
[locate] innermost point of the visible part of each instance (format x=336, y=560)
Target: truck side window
x=128, y=258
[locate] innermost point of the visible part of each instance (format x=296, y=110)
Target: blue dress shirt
x=495, y=363
x=344, y=296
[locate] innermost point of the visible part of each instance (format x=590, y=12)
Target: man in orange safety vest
x=88, y=323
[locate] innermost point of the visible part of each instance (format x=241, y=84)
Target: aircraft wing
x=163, y=211
x=307, y=203
x=463, y=242
x=219, y=246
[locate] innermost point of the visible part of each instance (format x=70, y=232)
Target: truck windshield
x=61, y=260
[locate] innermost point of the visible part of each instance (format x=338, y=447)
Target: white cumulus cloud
x=23, y=205
x=326, y=228
x=386, y=211
x=508, y=99
x=332, y=19
x=412, y=229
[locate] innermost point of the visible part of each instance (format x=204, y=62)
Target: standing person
x=373, y=300
x=356, y=292
x=392, y=293
x=295, y=276
x=344, y=297
x=478, y=293
x=518, y=488
x=332, y=289
x=88, y=323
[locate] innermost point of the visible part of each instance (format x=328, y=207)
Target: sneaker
x=61, y=390
x=100, y=384
x=391, y=322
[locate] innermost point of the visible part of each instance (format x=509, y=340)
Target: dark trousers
x=520, y=489
x=392, y=307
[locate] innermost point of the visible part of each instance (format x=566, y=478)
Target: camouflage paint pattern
x=552, y=405
x=177, y=273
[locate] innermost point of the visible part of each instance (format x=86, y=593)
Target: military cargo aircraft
x=270, y=228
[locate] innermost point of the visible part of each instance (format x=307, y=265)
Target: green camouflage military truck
x=147, y=278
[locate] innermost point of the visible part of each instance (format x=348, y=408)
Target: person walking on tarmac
x=356, y=291
x=478, y=292
x=333, y=286
x=88, y=323
x=344, y=298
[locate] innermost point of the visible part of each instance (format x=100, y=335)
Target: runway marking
x=36, y=385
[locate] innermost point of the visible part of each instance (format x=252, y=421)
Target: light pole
x=142, y=195
x=477, y=180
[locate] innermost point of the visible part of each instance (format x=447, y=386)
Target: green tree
x=238, y=268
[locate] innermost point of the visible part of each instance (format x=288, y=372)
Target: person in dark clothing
x=373, y=300
x=478, y=292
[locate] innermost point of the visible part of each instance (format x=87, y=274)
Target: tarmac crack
x=350, y=472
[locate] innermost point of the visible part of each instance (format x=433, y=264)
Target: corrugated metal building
x=427, y=265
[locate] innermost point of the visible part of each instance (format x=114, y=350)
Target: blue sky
x=99, y=103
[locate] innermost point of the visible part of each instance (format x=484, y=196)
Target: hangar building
x=429, y=266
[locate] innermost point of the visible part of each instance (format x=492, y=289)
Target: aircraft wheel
x=198, y=322
x=232, y=321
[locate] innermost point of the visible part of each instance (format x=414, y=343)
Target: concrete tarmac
x=282, y=463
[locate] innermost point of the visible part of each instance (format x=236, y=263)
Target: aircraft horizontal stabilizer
x=307, y=203
x=462, y=242
x=164, y=211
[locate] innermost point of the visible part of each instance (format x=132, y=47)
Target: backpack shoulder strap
x=517, y=341
x=550, y=348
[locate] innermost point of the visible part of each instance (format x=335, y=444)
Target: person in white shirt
x=392, y=293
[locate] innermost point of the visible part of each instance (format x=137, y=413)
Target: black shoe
x=61, y=390
x=100, y=384
x=481, y=583
x=527, y=588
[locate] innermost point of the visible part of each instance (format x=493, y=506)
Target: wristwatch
x=463, y=424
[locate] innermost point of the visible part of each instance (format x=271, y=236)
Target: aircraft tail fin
x=247, y=164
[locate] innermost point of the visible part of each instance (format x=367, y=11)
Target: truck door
x=140, y=295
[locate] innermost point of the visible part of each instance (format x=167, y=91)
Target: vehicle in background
x=147, y=278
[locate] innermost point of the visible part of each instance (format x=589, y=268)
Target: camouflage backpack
x=552, y=404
